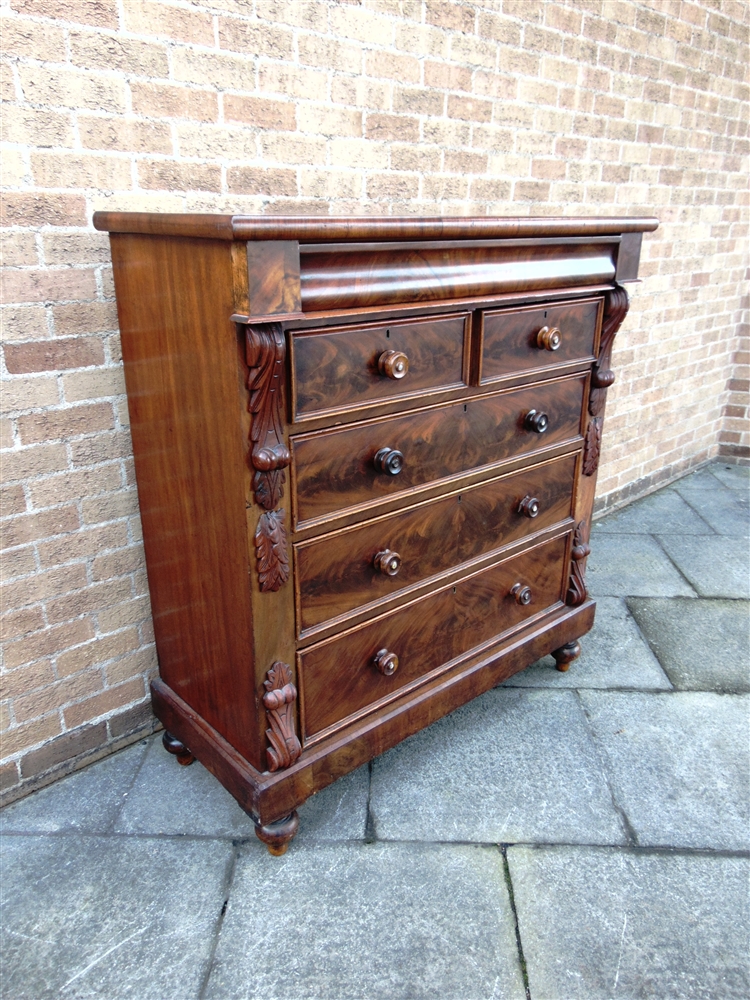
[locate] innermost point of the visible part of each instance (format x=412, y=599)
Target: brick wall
x=379, y=106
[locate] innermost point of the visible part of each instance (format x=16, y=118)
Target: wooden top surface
x=343, y=228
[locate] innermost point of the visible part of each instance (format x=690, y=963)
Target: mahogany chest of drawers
x=366, y=454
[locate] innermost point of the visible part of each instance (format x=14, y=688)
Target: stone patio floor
x=581, y=835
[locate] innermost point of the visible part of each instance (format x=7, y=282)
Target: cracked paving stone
x=602, y=923
x=704, y=645
x=105, y=917
x=514, y=765
x=678, y=764
x=635, y=565
x=368, y=922
x=716, y=567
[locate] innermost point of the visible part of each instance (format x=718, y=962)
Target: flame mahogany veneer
x=366, y=452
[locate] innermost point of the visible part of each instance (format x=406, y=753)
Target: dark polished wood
x=337, y=573
x=336, y=469
x=426, y=635
x=511, y=339
x=565, y=655
x=340, y=368
x=278, y=835
x=366, y=455
x=172, y=745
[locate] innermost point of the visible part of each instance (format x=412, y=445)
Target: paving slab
x=702, y=479
x=736, y=477
x=661, y=512
x=170, y=799
x=613, y=655
x=368, y=922
x=621, y=565
x=104, y=917
x=87, y=801
x=727, y=511
x=716, y=568
x=600, y=923
x=703, y=645
x=678, y=764
x=513, y=765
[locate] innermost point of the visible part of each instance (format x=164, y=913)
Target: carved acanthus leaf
x=577, y=592
x=270, y=550
x=592, y=446
x=279, y=701
x=265, y=352
x=615, y=309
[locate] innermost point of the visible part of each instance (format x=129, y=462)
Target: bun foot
x=565, y=655
x=172, y=745
x=277, y=836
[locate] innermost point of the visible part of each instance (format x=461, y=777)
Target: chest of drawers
x=366, y=454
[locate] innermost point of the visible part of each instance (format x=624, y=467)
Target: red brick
x=101, y=704
x=18, y=209
x=101, y=13
x=65, y=748
x=52, y=355
x=260, y=112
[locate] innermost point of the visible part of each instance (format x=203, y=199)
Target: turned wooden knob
x=548, y=338
x=393, y=364
x=521, y=593
x=529, y=507
x=387, y=663
x=536, y=421
x=387, y=562
x=389, y=460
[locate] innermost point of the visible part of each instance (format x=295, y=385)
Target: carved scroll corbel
x=577, y=592
x=279, y=701
x=265, y=352
x=269, y=455
x=615, y=309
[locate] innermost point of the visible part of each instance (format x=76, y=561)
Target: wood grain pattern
x=340, y=280
x=184, y=396
x=336, y=574
x=615, y=310
x=337, y=367
x=316, y=228
x=338, y=678
x=509, y=337
x=334, y=470
x=273, y=277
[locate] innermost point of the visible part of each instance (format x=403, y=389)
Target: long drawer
x=341, y=367
x=340, y=677
x=342, y=468
x=357, y=566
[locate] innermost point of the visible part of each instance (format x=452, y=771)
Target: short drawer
x=342, y=468
x=347, y=366
x=537, y=337
x=341, y=678
x=370, y=562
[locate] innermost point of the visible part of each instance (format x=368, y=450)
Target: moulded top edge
x=344, y=228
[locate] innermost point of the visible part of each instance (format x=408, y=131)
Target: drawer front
x=514, y=340
x=340, y=678
x=348, y=366
x=338, y=573
x=334, y=470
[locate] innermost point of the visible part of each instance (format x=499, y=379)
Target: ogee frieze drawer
x=363, y=463
x=515, y=340
x=340, y=572
x=341, y=367
x=359, y=670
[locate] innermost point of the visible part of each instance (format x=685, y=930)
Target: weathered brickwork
x=286, y=106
